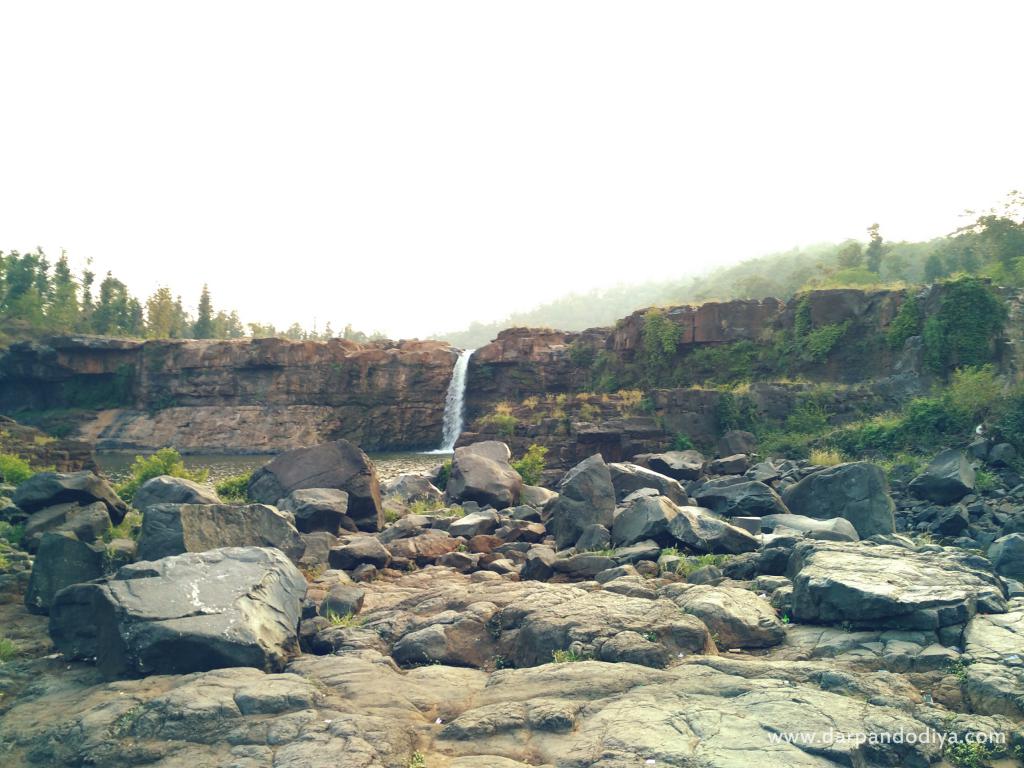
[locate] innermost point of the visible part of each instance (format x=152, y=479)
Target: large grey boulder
x=629, y=478
x=412, y=488
x=232, y=607
x=359, y=551
x=889, y=587
x=62, y=560
x=47, y=489
x=858, y=492
x=679, y=465
x=748, y=498
x=645, y=517
x=166, y=489
x=475, y=524
x=87, y=522
x=834, y=529
x=339, y=465
x=172, y=529
x=481, y=472
x=1007, y=556
x=586, y=496
x=947, y=479
x=737, y=618
x=319, y=509
x=698, y=529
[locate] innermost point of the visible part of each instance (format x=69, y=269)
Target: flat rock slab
x=737, y=618
x=232, y=607
x=888, y=587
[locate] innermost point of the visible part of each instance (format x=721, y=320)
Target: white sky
x=413, y=166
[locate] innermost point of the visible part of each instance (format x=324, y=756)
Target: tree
x=113, y=313
x=934, y=268
x=63, y=311
x=203, y=328
x=851, y=255
x=160, y=314
x=875, y=250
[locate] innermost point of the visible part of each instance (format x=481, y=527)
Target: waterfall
x=455, y=403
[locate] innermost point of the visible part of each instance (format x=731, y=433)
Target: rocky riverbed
x=670, y=610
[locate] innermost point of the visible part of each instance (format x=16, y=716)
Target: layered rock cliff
x=254, y=396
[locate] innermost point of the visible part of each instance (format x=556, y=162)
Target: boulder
x=645, y=517
x=424, y=548
x=593, y=537
x=947, y=479
x=889, y=587
x=475, y=524
x=737, y=618
x=412, y=488
x=586, y=497
x=833, y=529
x=481, y=472
x=360, y=550
x=737, y=441
x=166, y=489
x=538, y=565
x=47, y=489
x=62, y=560
x=1007, y=556
x=535, y=496
x=679, y=465
x=699, y=530
x=735, y=464
x=173, y=529
x=339, y=465
x=748, y=498
x=1002, y=455
x=343, y=600
x=232, y=607
x=629, y=478
x=319, y=509
x=87, y=523
x=858, y=492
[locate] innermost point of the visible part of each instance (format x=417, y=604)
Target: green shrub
x=976, y=392
x=503, y=423
x=8, y=650
x=963, y=331
x=907, y=323
x=819, y=343
x=444, y=475
x=234, y=488
x=682, y=443
x=532, y=464
x=166, y=461
x=658, y=346
x=563, y=657
x=14, y=469
x=807, y=418
x=128, y=528
x=12, y=534
x=736, y=412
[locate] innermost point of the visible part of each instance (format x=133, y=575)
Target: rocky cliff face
x=241, y=395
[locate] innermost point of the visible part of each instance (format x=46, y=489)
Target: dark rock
x=587, y=496
x=319, y=509
x=747, y=498
x=946, y=480
x=538, y=564
x=88, y=523
x=62, y=560
x=701, y=531
x=485, y=522
x=1007, y=556
x=339, y=465
x=360, y=550
x=736, y=464
x=173, y=529
x=233, y=607
x=951, y=521
x=593, y=537
x=629, y=478
x=645, y=518
x=481, y=472
x=47, y=489
x=858, y=492
x=737, y=441
x=343, y=600
x=1002, y=455
x=166, y=489
x=412, y=488
x=679, y=465
x=583, y=566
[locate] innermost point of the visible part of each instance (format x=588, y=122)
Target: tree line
x=39, y=299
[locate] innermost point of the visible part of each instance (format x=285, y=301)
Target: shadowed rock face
x=241, y=395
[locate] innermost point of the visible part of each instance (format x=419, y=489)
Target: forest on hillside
x=991, y=245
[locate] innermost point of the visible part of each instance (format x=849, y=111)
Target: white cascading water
x=455, y=403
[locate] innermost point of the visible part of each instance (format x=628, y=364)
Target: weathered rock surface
x=858, y=492
x=47, y=489
x=628, y=478
x=679, y=465
x=62, y=560
x=657, y=519
x=199, y=611
x=834, y=529
x=748, y=498
x=340, y=465
x=737, y=618
x=1007, y=556
x=947, y=479
x=481, y=472
x=88, y=522
x=319, y=509
x=173, y=529
x=172, y=490
x=890, y=587
x=586, y=496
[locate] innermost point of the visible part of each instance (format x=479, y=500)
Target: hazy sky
x=412, y=166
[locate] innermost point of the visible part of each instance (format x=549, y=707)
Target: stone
x=538, y=565
x=319, y=509
x=832, y=529
x=737, y=618
x=737, y=441
x=414, y=488
x=166, y=489
x=237, y=606
x=358, y=551
x=586, y=496
x=316, y=548
x=645, y=518
x=62, y=560
x=951, y=521
x=47, y=489
x=947, y=479
x=88, y=523
x=340, y=465
x=424, y=548
x=583, y=565
x=736, y=464
x=1002, y=455
x=593, y=537
x=629, y=478
x=858, y=492
x=1007, y=556
x=740, y=499
x=699, y=530
x=173, y=529
x=537, y=497
x=343, y=600
x=890, y=587
x=475, y=524
x=481, y=472
x=679, y=465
